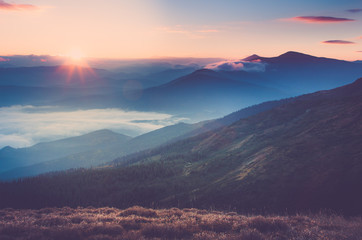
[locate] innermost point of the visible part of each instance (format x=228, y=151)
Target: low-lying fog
x=23, y=126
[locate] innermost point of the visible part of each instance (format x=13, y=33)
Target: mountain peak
x=251, y=58
x=104, y=133
x=292, y=54
x=292, y=57
x=7, y=148
x=203, y=71
x=288, y=57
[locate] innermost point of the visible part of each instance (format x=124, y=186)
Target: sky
x=231, y=29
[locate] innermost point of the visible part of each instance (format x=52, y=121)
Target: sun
x=76, y=56
x=75, y=66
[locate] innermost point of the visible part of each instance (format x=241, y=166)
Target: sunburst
x=75, y=64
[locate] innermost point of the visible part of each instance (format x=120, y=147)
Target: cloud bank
x=22, y=126
x=338, y=42
x=16, y=7
x=237, y=65
x=355, y=10
x=320, y=19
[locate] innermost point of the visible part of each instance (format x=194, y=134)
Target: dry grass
x=142, y=223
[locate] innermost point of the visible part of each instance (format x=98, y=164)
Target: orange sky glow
x=158, y=28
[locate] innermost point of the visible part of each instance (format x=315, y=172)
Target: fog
x=237, y=65
x=22, y=126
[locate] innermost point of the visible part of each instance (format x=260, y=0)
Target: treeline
x=121, y=187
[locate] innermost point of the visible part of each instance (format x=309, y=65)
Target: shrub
x=136, y=224
x=251, y=235
x=166, y=231
x=139, y=211
x=215, y=224
x=76, y=219
x=52, y=221
x=46, y=210
x=65, y=233
x=107, y=229
x=265, y=225
x=130, y=225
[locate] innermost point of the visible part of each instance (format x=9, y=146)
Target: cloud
x=338, y=42
x=22, y=126
x=320, y=19
x=16, y=7
x=4, y=59
x=355, y=10
x=14, y=140
x=237, y=65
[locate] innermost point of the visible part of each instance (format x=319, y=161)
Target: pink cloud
x=4, y=59
x=338, y=42
x=16, y=7
x=320, y=19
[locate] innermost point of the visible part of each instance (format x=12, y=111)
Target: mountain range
x=102, y=146
x=302, y=155
x=200, y=94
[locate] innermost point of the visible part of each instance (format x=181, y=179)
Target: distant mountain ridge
x=198, y=95
x=13, y=158
x=291, y=57
x=206, y=91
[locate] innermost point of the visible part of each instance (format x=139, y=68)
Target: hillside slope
x=303, y=155
x=79, y=152
x=11, y=158
x=206, y=92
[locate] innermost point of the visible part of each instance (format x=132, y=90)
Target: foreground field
x=143, y=223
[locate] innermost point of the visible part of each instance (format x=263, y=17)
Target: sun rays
x=76, y=67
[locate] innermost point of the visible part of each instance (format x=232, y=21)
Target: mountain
x=303, y=155
x=51, y=76
x=209, y=94
x=22, y=164
x=11, y=158
x=252, y=58
x=294, y=58
x=298, y=73
x=104, y=151
x=205, y=92
x=165, y=76
x=198, y=95
x=50, y=85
